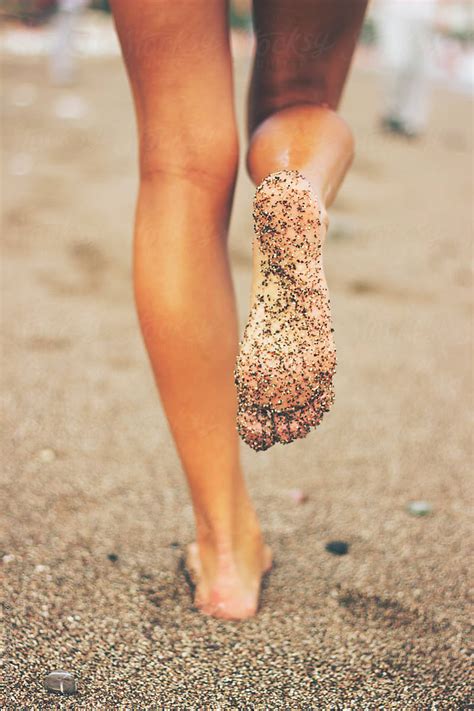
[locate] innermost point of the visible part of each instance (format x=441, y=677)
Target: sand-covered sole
x=287, y=358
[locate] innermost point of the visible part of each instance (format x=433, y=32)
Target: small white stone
x=298, y=496
x=47, y=455
x=419, y=508
x=8, y=558
x=60, y=681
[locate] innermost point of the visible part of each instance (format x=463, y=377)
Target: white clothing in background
x=404, y=29
x=62, y=61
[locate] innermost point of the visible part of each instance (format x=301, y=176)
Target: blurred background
x=96, y=508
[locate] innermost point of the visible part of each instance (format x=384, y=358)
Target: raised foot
x=287, y=356
x=227, y=592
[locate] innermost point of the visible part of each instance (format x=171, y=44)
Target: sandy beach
x=96, y=512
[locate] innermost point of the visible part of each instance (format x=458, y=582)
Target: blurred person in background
x=405, y=32
x=180, y=69
x=62, y=62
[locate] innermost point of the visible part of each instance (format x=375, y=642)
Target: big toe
x=256, y=428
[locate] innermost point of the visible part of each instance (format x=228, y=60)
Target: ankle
x=242, y=531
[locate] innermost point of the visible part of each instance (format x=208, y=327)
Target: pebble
x=8, y=558
x=419, y=508
x=337, y=547
x=298, y=496
x=60, y=681
x=113, y=557
x=47, y=455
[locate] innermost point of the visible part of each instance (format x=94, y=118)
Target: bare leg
x=287, y=356
x=178, y=60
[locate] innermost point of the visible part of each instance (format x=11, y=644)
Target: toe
x=299, y=426
x=268, y=432
x=281, y=422
x=311, y=414
x=249, y=428
x=255, y=427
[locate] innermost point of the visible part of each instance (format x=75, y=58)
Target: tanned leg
x=178, y=60
x=299, y=152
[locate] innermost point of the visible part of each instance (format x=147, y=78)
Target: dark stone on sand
x=113, y=557
x=337, y=547
x=174, y=544
x=60, y=681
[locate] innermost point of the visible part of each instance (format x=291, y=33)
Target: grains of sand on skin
x=287, y=357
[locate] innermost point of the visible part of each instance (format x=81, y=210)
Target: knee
x=207, y=155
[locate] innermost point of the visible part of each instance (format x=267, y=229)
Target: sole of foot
x=226, y=596
x=287, y=357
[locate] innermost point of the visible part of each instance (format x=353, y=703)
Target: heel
x=287, y=224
